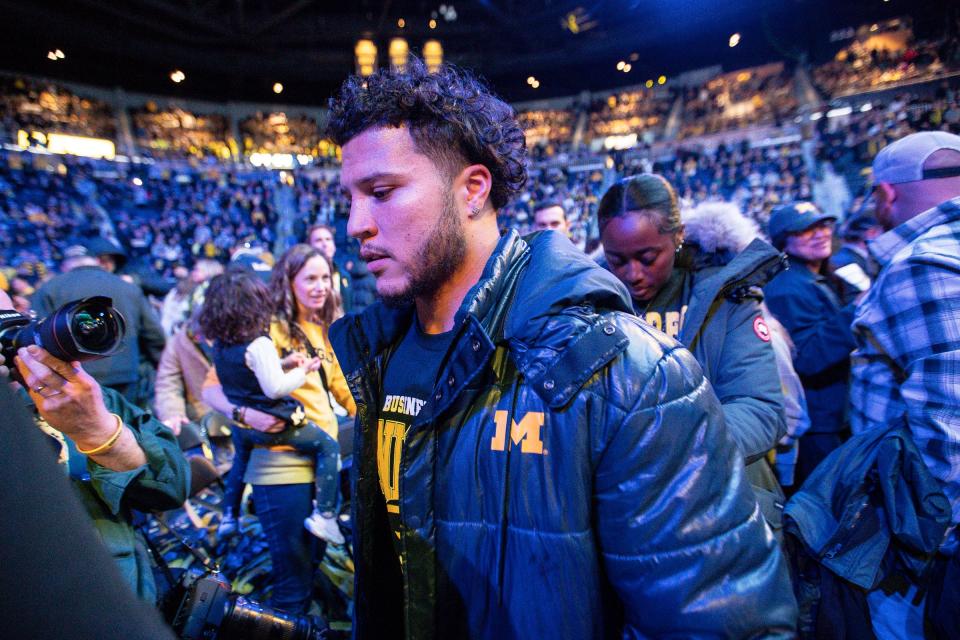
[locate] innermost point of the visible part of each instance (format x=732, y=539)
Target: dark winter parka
x=724, y=329
x=617, y=506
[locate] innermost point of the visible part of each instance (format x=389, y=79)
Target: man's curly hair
x=452, y=116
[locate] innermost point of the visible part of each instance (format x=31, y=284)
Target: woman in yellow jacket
x=304, y=306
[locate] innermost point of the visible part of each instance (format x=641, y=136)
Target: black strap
x=312, y=352
x=943, y=172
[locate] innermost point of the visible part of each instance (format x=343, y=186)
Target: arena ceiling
x=237, y=49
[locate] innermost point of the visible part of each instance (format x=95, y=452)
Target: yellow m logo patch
x=526, y=433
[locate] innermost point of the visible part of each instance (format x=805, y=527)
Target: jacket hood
x=719, y=236
x=725, y=249
x=719, y=227
x=560, y=276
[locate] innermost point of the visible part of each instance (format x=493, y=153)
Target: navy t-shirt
x=407, y=384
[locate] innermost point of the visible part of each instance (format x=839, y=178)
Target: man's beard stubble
x=440, y=255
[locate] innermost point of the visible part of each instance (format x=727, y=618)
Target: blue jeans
x=309, y=439
x=281, y=509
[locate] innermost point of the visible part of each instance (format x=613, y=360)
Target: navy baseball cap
x=793, y=218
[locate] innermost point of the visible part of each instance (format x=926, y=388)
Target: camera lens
x=94, y=329
x=80, y=330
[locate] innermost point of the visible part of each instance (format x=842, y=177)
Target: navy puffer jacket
x=615, y=505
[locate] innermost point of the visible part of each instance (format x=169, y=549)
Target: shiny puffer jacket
x=614, y=505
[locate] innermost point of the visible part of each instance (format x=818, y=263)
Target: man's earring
x=679, y=246
x=474, y=211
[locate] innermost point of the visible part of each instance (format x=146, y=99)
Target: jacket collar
x=752, y=268
x=525, y=283
x=890, y=243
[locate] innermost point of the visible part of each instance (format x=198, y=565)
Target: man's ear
x=473, y=188
x=886, y=192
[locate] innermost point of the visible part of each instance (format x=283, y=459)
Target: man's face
x=551, y=218
x=403, y=213
x=322, y=241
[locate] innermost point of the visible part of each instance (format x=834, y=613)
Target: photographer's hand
x=70, y=400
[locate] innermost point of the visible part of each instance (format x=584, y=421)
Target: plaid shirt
x=907, y=364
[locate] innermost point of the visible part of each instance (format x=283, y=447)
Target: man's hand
x=67, y=397
x=174, y=423
x=263, y=422
x=71, y=402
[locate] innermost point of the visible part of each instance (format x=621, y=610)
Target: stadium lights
x=649, y=84
x=433, y=55
x=399, y=53
x=59, y=54
x=178, y=76
x=839, y=111
x=138, y=182
x=432, y=23
x=401, y=23
x=621, y=65
x=365, y=57
x=448, y=12
x=627, y=67
x=662, y=80
x=55, y=55
x=277, y=87
x=533, y=82
x=734, y=40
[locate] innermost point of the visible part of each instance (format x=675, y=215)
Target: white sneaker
x=324, y=528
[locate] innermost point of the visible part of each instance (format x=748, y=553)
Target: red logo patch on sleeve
x=761, y=329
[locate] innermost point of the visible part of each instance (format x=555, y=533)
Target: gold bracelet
x=112, y=440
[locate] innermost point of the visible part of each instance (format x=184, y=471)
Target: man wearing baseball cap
x=906, y=368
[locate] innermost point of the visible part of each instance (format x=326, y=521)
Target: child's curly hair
x=237, y=308
x=453, y=119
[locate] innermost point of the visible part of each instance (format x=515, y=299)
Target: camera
x=201, y=605
x=84, y=329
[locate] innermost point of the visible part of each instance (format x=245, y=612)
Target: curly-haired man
x=531, y=460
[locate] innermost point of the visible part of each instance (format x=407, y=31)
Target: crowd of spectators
x=40, y=212
x=870, y=64
x=279, y=132
x=851, y=142
x=758, y=96
x=756, y=178
x=175, y=132
x=638, y=111
x=549, y=126
x=46, y=107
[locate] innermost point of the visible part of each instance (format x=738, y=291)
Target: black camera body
x=84, y=329
x=202, y=605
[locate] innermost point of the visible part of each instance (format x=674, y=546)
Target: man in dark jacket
x=83, y=277
x=532, y=460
